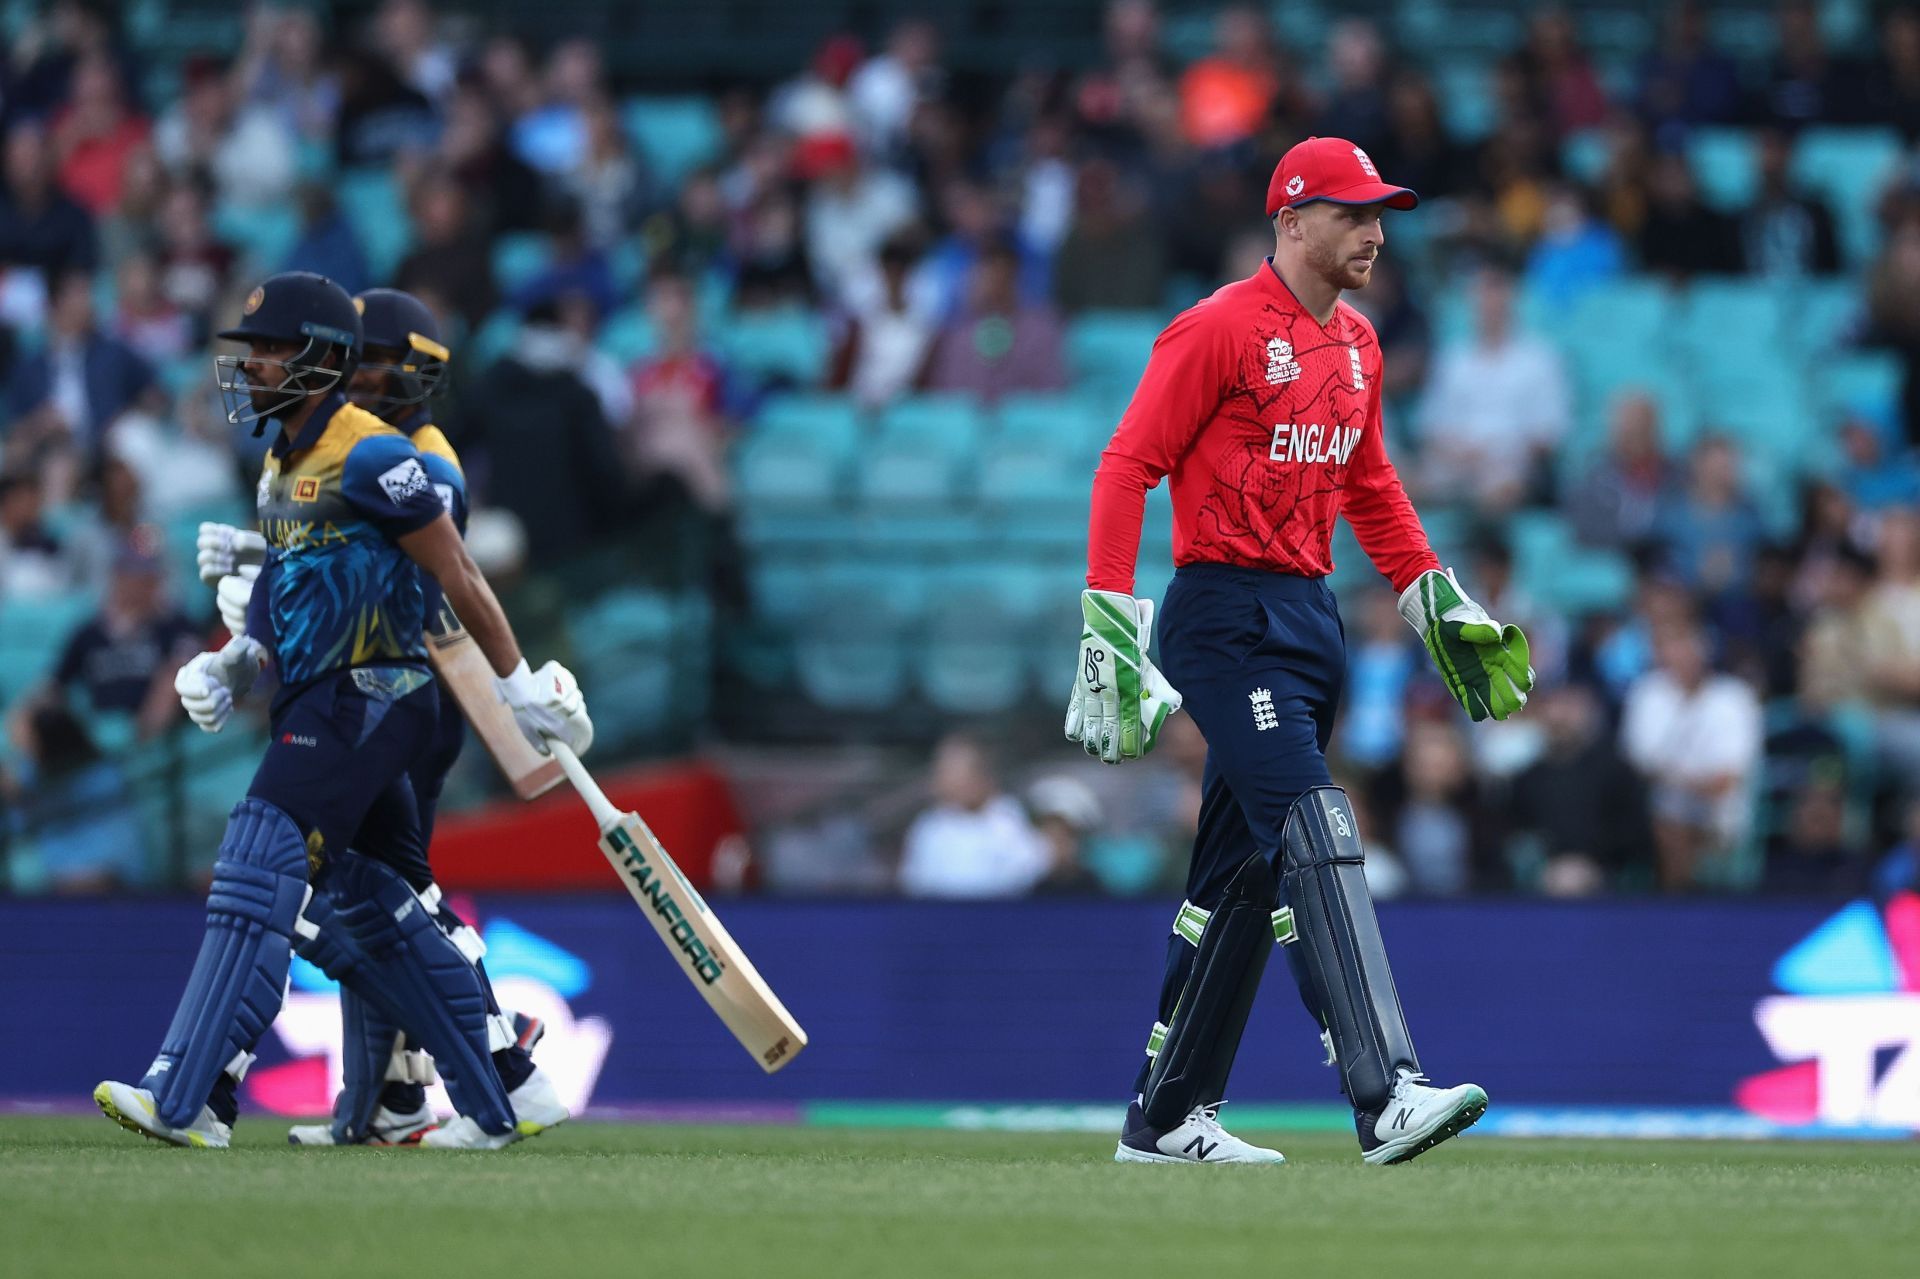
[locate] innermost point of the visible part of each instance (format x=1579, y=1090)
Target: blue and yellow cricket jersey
x=332, y=503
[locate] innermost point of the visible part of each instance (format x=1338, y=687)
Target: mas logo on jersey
x=1312, y=442
x=1848, y=1027
x=1281, y=366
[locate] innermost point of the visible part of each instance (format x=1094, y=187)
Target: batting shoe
x=536, y=1108
x=386, y=1128
x=1417, y=1118
x=132, y=1108
x=1199, y=1139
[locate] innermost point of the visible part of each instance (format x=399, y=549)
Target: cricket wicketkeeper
x=1263, y=405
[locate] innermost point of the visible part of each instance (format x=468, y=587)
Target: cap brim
x=1369, y=193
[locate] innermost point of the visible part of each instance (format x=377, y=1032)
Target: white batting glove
x=210, y=683
x=547, y=703
x=233, y=594
x=1120, y=699
x=221, y=549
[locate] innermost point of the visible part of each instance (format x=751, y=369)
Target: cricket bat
x=463, y=669
x=711, y=959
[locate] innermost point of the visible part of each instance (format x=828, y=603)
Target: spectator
x=1575, y=251
x=1816, y=859
x=1559, y=75
x=1356, y=107
x=1893, y=311
x=40, y=226
x=609, y=380
x=1579, y=807
x=1681, y=236
x=73, y=804
x=1111, y=257
x=680, y=425
x=1807, y=84
x=95, y=134
x=539, y=444
x=813, y=106
x=1618, y=499
x=1496, y=409
x=1417, y=149
x=997, y=344
x=405, y=35
x=450, y=257
x=124, y=657
x=1685, y=81
x=773, y=268
x=133, y=224
x=1047, y=182
x=1398, y=322
x=83, y=378
x=150, y=325
x=975, y=841
x=97, y=543
x=33, y=563
x=247, y=151
x=610, y=182
x=1786, y=233
x=975, y=220
x=283, y=68
x=1622, y=192
x=1439, y=824
x=328, y=244
x=69, y=32
x=1064, y=812
x=1899, y=868
x=1895, y=93
x=1829, y=528
x=1873, y=476
x=851, y=211
x=194, y=266
x=886, y=333
x=1225, y=98
x=887, y=88
x=1379, y=669
x=473, y=152
x=573, y=265
x=1694, y=736
x=184, y=460
x=1709, y=535
x=551, y=139
x=382, y=117
x=1893, y=643
x=1764, y=646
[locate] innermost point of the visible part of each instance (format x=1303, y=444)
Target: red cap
x=1335, y=170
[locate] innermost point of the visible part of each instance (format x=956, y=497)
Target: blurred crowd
x=1751, y=720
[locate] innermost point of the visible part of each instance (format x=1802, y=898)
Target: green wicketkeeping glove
x=1487, y=666
x=1119, y=699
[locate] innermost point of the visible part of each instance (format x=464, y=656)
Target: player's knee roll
x=1321, y=830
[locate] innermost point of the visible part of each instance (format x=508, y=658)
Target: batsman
x=1262, y=403
x=331, y=824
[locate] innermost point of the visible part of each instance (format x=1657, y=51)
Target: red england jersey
x=1269, y=424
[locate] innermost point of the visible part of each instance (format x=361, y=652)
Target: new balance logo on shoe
x=1202, y=1146
x=1401, y=1119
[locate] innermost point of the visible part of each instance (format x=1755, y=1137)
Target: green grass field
x=79, y=1197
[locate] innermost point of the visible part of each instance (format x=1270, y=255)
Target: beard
x=1343, y=272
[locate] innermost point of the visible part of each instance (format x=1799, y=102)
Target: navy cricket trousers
x=1260, y=662
x=338, y=758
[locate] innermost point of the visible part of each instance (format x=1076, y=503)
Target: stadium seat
x=831, y=419
x=374, y=204
x=974, y=655
x=1867, y=382
x=1824, y=312
x=1015, y=474
x=628, y=335
x=1076, y=421
x=1109, y=349
x=1729, y=315
x=519, y=256
x=263, y=234
x=1849, y=168
x=1466, y=98
x=1726, y=167
x=784, y=346
x=789, y=468
x=676, y=135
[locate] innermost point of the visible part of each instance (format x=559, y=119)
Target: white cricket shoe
x=132, y=1108
x=1199, y=1139
x=1417, y=1118
x=386, y=1128
x=536, y=1108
